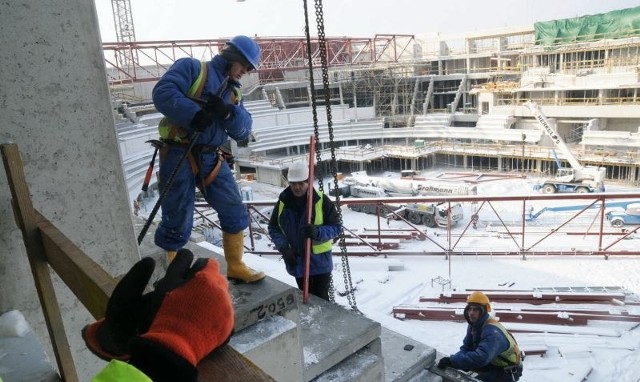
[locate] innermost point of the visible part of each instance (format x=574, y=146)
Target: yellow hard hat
x=479, y=298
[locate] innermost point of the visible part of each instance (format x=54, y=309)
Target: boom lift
x=577, y=178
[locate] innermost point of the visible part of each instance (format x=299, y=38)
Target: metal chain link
x=320, y=174
x=327, y=98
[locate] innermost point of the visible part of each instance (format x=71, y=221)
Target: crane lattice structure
x=125, y=33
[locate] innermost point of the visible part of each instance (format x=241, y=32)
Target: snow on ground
x=570, y=357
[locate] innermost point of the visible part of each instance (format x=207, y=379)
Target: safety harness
x=174, y=135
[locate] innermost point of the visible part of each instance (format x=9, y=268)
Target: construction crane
x=577, y=178
x=125, y=33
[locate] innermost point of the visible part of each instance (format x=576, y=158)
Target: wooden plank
x=26, y=220
x=91, y=284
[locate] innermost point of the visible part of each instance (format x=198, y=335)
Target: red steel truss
x=279, y=54
x=511, y=221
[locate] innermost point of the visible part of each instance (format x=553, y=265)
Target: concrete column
x=56, y=108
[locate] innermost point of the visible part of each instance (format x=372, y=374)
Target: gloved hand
x=444, y=363
x=178, y=336
x=202, y=120
x=216, y=106
x=171, y=336
x=311, y=231
x=289, y=257
x=109, y=337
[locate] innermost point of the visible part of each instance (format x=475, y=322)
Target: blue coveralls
x=170, y=99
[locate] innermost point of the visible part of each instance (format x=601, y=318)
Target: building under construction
x=426, y=102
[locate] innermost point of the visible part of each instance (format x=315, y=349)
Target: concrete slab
x=362, y=366
x=330, y=333
x=425, y=376
x=254, y=302
x=404, y=357
x=273, y=345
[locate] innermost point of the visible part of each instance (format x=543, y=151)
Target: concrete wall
x=56, y=107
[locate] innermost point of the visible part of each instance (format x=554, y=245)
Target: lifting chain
x=349, y=290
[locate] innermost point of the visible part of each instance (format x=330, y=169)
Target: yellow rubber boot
x=233, y=245
x=170, y=256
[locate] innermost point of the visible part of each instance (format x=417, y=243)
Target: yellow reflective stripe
x=167, y=129
x=237, y=96
x=194, y=87
x=320, y=246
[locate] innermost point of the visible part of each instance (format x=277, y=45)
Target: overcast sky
x=204, y=19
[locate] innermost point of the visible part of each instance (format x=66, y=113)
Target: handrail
x=510, y=222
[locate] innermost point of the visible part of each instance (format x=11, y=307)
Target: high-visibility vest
x=317, y=246
x=511, y=356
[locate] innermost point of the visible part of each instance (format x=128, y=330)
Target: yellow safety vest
x=316, y=246
x=511, y=356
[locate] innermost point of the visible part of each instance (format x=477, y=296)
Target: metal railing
x=508, y=224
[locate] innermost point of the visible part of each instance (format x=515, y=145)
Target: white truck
x=429, y=214
x=577, y=178
x=406, y=186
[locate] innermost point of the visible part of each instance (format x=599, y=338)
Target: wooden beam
x=91, y=284
x=26, y=220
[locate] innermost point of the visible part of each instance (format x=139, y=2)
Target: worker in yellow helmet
x=488, y=348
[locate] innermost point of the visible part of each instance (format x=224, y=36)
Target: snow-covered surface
x=602, y=351
x=22, y=356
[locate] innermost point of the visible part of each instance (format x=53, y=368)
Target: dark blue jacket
x=289, y=231
x=482, y=344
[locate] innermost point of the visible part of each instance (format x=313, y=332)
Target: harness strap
x=193, y=163
x=214, y=171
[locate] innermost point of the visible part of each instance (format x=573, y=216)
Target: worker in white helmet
x=288, y=229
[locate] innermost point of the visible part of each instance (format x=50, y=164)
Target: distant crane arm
x=545, y=125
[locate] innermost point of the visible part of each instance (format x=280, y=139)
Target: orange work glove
x=187, y=316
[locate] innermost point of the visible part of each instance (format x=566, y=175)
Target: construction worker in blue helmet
x=203, y=100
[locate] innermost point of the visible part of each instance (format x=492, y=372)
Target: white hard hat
x=298, y=172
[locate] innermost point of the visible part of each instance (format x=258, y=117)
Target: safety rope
x=322, y=45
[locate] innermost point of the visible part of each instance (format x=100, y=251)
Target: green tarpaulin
x=614, y=24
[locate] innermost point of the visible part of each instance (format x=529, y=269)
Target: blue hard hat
x=248, y=48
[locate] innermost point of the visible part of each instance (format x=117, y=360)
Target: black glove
x=444, y=363
x=202, y=120
x=109, y=338
x=289, y=257
x=176, y=338
x=216, y=106
x=162, y=332
x=311, y=231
